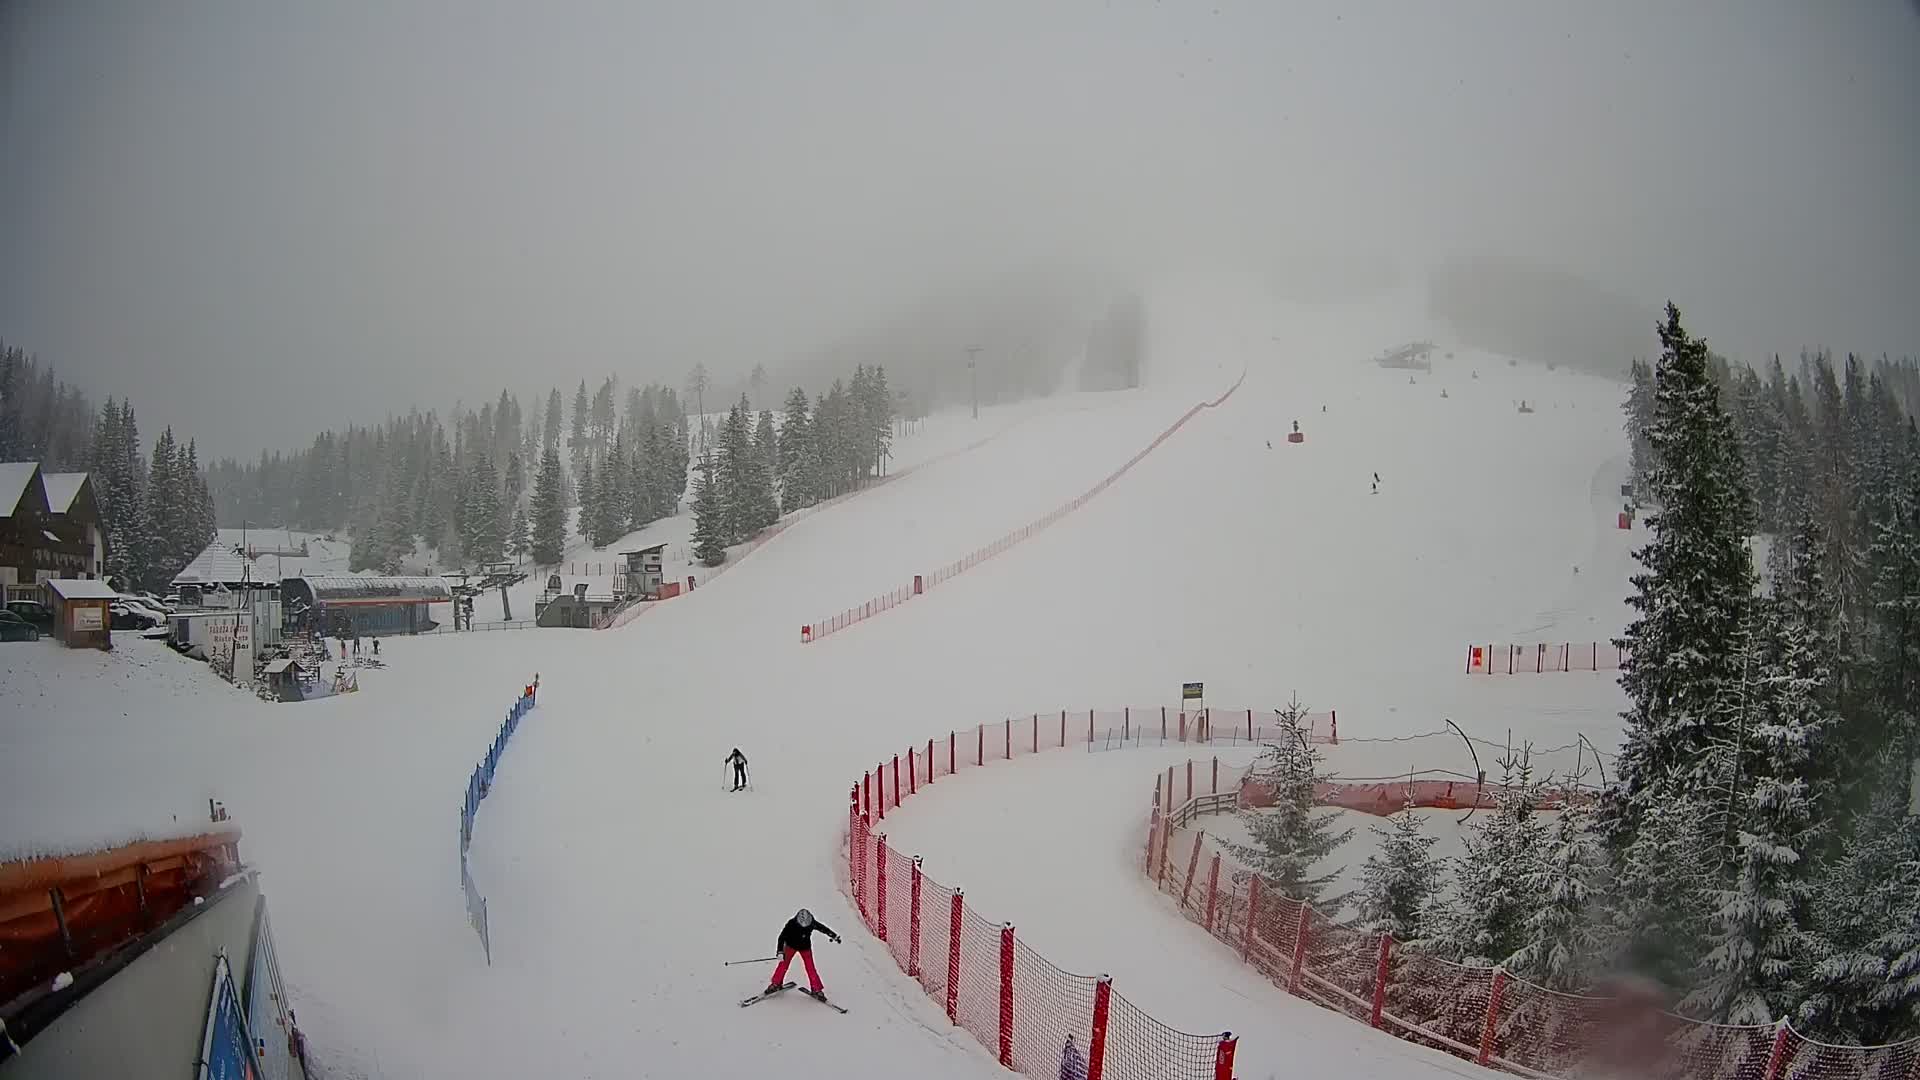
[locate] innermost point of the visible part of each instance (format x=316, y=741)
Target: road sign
x=1192, y=691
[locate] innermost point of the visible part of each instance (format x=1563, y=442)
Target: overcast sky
x=257, y=218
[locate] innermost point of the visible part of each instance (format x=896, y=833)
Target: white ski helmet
x=804, y=918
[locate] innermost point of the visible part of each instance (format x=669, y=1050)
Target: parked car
x=32, y=611
x=127, y=616
x=15, y=628
x=141, y=606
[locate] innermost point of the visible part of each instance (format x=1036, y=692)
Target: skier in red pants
x=797, y=937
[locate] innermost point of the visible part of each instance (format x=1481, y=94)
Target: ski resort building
x=49, y=528
x=357, y=606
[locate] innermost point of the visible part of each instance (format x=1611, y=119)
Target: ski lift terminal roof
x=356, y=589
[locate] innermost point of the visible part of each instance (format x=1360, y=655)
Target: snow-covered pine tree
x=1692, y=596
x=579, y=442
x=1756, y=929
x=610, y=501
x=588, y=490
x=1639, y=409
x=766, y=444
x=1398, y=880
x=1494, y=899
x=1865, y=981
x=1294, y=837
x=549, y=525
x=486, y=532
x=519, y=534
x=1564, y=934
x=795, y=438
x=709, y=537
x=740, y=513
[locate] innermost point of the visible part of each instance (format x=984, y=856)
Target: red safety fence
x=1541, y=657
x=1485, y=1015
x=1035, y=1018
x=814, y=631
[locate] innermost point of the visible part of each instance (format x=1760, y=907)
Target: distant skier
x=739, y=762
x=797, y=937
x=376, y=646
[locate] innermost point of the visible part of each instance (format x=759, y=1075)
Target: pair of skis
x=772, y=990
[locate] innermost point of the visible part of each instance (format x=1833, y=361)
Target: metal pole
x=973, y=379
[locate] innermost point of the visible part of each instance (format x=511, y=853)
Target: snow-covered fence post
x=866, y=834
x=954, y=920
x=1300, y=949
x=1036, y=733
x=1490, y=1031
x=953, y=740
x=1189, y=779
x=980, y=751
x=1380, y=976
x=1223, y=1057
x=913, y=774
x=880, y=885
x=1216, y=775
x=896, y=780
x=930, y=766
x=1777, y=1057
x=1213, y=890
x=866, y=785
x=880, y=789
x=1334, y=718
x=1163, y=723
x=1006, y=995
x=1007, y=731
x=1253, y=916
x=1126, y=723
x=1089, y=728
x=913, y=924
x=1097, y=1038
x=1153, y=828
x=1193, y=866
x=853, y=844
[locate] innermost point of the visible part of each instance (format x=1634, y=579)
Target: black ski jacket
x=800, y=938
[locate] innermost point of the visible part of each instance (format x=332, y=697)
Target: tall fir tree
x=1682, y=672
x=588, y=490
x=709, y=518
x=1758, y=925
x=579, y=443
x=549, y=509
x=796, y=436
x=1293, y=839
x=486, y=523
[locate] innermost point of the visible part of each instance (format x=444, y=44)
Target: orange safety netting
x=1482, y=1014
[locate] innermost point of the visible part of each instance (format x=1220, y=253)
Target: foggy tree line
x=486, y=485
x=498, y=482
x=157, y=512
x=1751, y=849
x=813, y=452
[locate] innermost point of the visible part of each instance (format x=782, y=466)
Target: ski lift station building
x=348, y=605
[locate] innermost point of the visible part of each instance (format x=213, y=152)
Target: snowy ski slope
x=619, y=875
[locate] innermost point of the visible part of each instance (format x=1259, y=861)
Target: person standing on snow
x=739, y=762
x=797, y=937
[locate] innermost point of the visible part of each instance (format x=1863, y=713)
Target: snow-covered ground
x=620, y=875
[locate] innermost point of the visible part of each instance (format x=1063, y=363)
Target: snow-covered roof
x=62, y=488
x=82, y=589
x=14, y=478
x=335, y=588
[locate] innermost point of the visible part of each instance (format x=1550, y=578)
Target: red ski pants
x=780, y=973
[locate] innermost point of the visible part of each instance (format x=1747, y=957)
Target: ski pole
x=760, y=960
